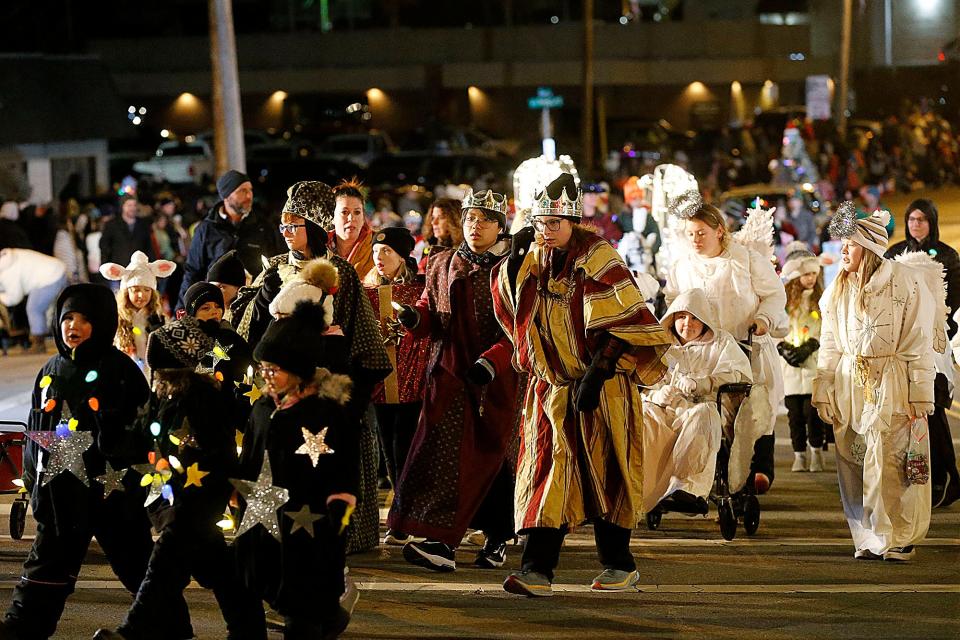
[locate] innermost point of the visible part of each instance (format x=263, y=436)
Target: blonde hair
x=713, y=218
x=125, y=311
x=868, y=266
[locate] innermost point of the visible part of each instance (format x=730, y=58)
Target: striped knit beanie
x=868, y=230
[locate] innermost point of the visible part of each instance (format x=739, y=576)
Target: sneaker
x=399, y=538
x=799, y=461
x=866, y=554
x=761, y=483
x=899, y=554
x=476, y=538
x=491, y=556
x=430, y=555
x=350, y=596
x=528, y=583
x=946, y=494
x=816, y=460
x=615, y=580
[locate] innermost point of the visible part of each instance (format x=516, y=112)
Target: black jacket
x=196, y=402
x=942, y=253
x=254, y=237
x=299, y=570
x=118, y=241
x=95, y=370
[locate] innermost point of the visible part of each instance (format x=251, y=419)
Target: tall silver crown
x=487, y=199
x=562, y=206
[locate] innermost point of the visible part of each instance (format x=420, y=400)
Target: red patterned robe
x=464, y=432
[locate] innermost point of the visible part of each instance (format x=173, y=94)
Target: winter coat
x=105, y=404
x=292, y=573
x=942, y=253
x=119, y=241
x=253, y=238
x=23, y=270
x=184, y=399
x=804, y=325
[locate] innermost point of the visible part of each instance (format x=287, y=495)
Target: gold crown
x=562, y=206
x=487, y=200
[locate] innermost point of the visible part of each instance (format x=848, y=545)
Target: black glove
x=789, y=353
x=336, y=511
x=272, y=283
x=519, y=246
x=408, y=316
x=807, y=349
x=481, y=372
x=586, y=396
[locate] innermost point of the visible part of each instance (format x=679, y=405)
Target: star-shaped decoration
x=393, y=332
x=65, y=453
x=303, y=519
x=155, y=477
x=869, y=329
x=263, y=499
x=195, y=476
x=899, y=301
x=254, y=393
x=112, y=480
x=314, y=445
x=184, y=437
x=219, y=353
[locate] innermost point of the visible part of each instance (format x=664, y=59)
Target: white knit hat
x=140, y=272
x=869, y=231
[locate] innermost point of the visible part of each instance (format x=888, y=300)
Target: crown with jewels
x=487, y=200
x=565, y=205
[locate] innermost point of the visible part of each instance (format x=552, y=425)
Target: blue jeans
x=38, y=301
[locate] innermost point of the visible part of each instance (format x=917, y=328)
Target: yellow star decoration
x=254, y=393
x=195, y=476
x=314, y=445
x=219, y=353
x=302, y=519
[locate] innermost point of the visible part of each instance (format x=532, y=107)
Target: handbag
x=918, y=462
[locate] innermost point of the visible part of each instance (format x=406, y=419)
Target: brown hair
x=713, y=218
x=795, y=295
x=351, y=188
x=451, y=211
x=125, y=310
x=868, y=266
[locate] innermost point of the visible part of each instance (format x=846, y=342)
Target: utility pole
x=588, y=85
x=228, y=146
x=845, y=67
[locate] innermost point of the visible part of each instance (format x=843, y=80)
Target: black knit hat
x=229, y=182
x=397, y=238
x=312, y=200
x=228, y=269
x=295, y=342
x=177, y=345
x=200, y=293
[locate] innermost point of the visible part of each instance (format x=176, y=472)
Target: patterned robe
x=574, y=466
x=464, y=432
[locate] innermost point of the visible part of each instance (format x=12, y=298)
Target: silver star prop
x=65, y=453
x=314, y=446
x=112, y=480
x=844, y=222
x=219, y=353
x=263, y=500
x=303, y=519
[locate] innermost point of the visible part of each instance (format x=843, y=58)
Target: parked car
x=261, y=146
x=179, y=162
x=359, y=148
x=736, y=201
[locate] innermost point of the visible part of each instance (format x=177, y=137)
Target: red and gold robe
x=574, y=466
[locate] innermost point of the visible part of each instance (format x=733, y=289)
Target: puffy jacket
x=254, y=237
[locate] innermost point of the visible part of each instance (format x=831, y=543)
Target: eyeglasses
x=480, y=222
x=290, y=228
x=552, y=225
x=268, y=372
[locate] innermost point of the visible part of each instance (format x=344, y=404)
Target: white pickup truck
x=179, y=162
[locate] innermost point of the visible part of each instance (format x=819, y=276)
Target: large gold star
x=314, y=446
x=302, y=519
x=254, y=393
x=195, y=476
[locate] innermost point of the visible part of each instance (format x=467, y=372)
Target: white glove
x=686, y=386
x=921, y=409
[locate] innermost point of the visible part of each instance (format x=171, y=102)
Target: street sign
x=545, y=99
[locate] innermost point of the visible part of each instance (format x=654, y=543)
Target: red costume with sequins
x=465, y=430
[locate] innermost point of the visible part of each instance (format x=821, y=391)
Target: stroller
x=12, y=440
x=732, y=508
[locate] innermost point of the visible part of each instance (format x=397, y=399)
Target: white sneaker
x=799, y=461
x=816, y=460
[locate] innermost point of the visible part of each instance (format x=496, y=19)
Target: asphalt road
x=796, y=578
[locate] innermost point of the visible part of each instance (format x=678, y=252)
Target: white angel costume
x=875, y=371
x=743, y=286
x=681, y=435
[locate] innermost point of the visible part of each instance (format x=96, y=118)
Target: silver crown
x=487, y=200
x=685, y=205
x=562, y=206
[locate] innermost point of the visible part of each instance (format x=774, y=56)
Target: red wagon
x=12, y=439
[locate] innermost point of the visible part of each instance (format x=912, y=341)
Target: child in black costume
x=89, y=394
x=295, y=559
